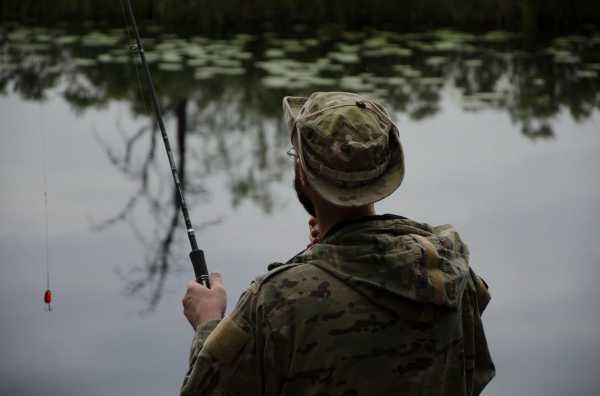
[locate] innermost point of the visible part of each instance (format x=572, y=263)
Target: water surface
x=501, y=138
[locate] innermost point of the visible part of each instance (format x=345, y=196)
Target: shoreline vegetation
x=533, y=17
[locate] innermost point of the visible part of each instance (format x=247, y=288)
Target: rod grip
x=200, y=269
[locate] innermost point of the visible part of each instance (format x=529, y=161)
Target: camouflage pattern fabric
x=381, y=306
x=349, y=147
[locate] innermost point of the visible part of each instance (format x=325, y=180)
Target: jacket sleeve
x=223, y=358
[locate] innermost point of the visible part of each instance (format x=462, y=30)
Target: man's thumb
x=215, y=279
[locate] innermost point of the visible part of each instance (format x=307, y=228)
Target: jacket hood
x=390, y=254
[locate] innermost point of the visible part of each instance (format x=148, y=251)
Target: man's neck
x=329, y=215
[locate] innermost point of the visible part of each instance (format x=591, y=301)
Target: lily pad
x=354, y=83
x=311, y=42
x=18, y=35
x=431, y=81
x=473, y=63
x=34, y=47
x=343, y=57
x=170, y=66
x=224, y=62
x=322, y=81
x=376, y=42
x=342, y=47
x=274, y=53
x=84, y=62
x=586, y=74
x=205, y=73
x=275, y=82
x=105, y=58
x=447, y=46
x=66, y=40
x=539, y=82
x=565, y=57
x=436, y=60
x=231, y=71
x=388, y=51
x=407, y=71
x=293, y=46
x=195, y=62
x=497, y=36
x=451, y=35
x=151, y=56
x=243, y=55
x=43, y=37
x=170, y=57
x=396, y=81
x=98, y=39
x=243, y=38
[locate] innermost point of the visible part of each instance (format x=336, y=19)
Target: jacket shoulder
x=288, y=278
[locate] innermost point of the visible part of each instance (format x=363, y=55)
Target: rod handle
x=200, y=269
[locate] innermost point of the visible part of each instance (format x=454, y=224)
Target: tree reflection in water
x=225, y=95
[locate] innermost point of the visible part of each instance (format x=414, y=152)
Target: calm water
x=501, y=136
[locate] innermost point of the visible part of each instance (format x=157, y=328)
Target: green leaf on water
x=344, y=57
x=98, y=39
x=195, y=62
x=170, y=66
x=231, y=71
x=275, y=82
x=586, y=74
x=65, y=40
x=170, y=57
x=376, y=42
x=84, y=62
x=354, y=83
x=497, y=36
x=473, y=63
x=205, y=73
x=431, y=81
x=274, y=53
x=105, y=58
x=436, y=60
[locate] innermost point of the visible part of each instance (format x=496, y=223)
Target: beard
x=302, y=196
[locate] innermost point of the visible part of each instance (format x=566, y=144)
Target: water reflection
x=224, y=96
x=497, y=70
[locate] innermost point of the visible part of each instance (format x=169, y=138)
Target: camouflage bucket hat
x=348, y=146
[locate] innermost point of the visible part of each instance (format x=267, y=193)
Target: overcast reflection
x=501, y=141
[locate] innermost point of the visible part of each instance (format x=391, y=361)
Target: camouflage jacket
x=381, y=306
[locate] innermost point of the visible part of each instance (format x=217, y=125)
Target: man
x=376, y=305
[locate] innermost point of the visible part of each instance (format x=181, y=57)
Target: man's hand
x=201, y=304
x=314, y=231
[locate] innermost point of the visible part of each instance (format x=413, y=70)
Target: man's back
x=381, y=306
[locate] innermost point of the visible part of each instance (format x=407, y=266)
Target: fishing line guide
x=196, y=255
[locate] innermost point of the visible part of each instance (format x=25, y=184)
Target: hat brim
x=291, y=109
x=374, y=191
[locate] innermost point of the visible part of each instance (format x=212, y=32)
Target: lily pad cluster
x=488, y=70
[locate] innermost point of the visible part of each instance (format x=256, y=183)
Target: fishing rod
x=196, y=255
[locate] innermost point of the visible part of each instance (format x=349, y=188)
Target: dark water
x=501, y=138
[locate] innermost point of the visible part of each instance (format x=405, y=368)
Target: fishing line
x=196, y=255
x=47, y=292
